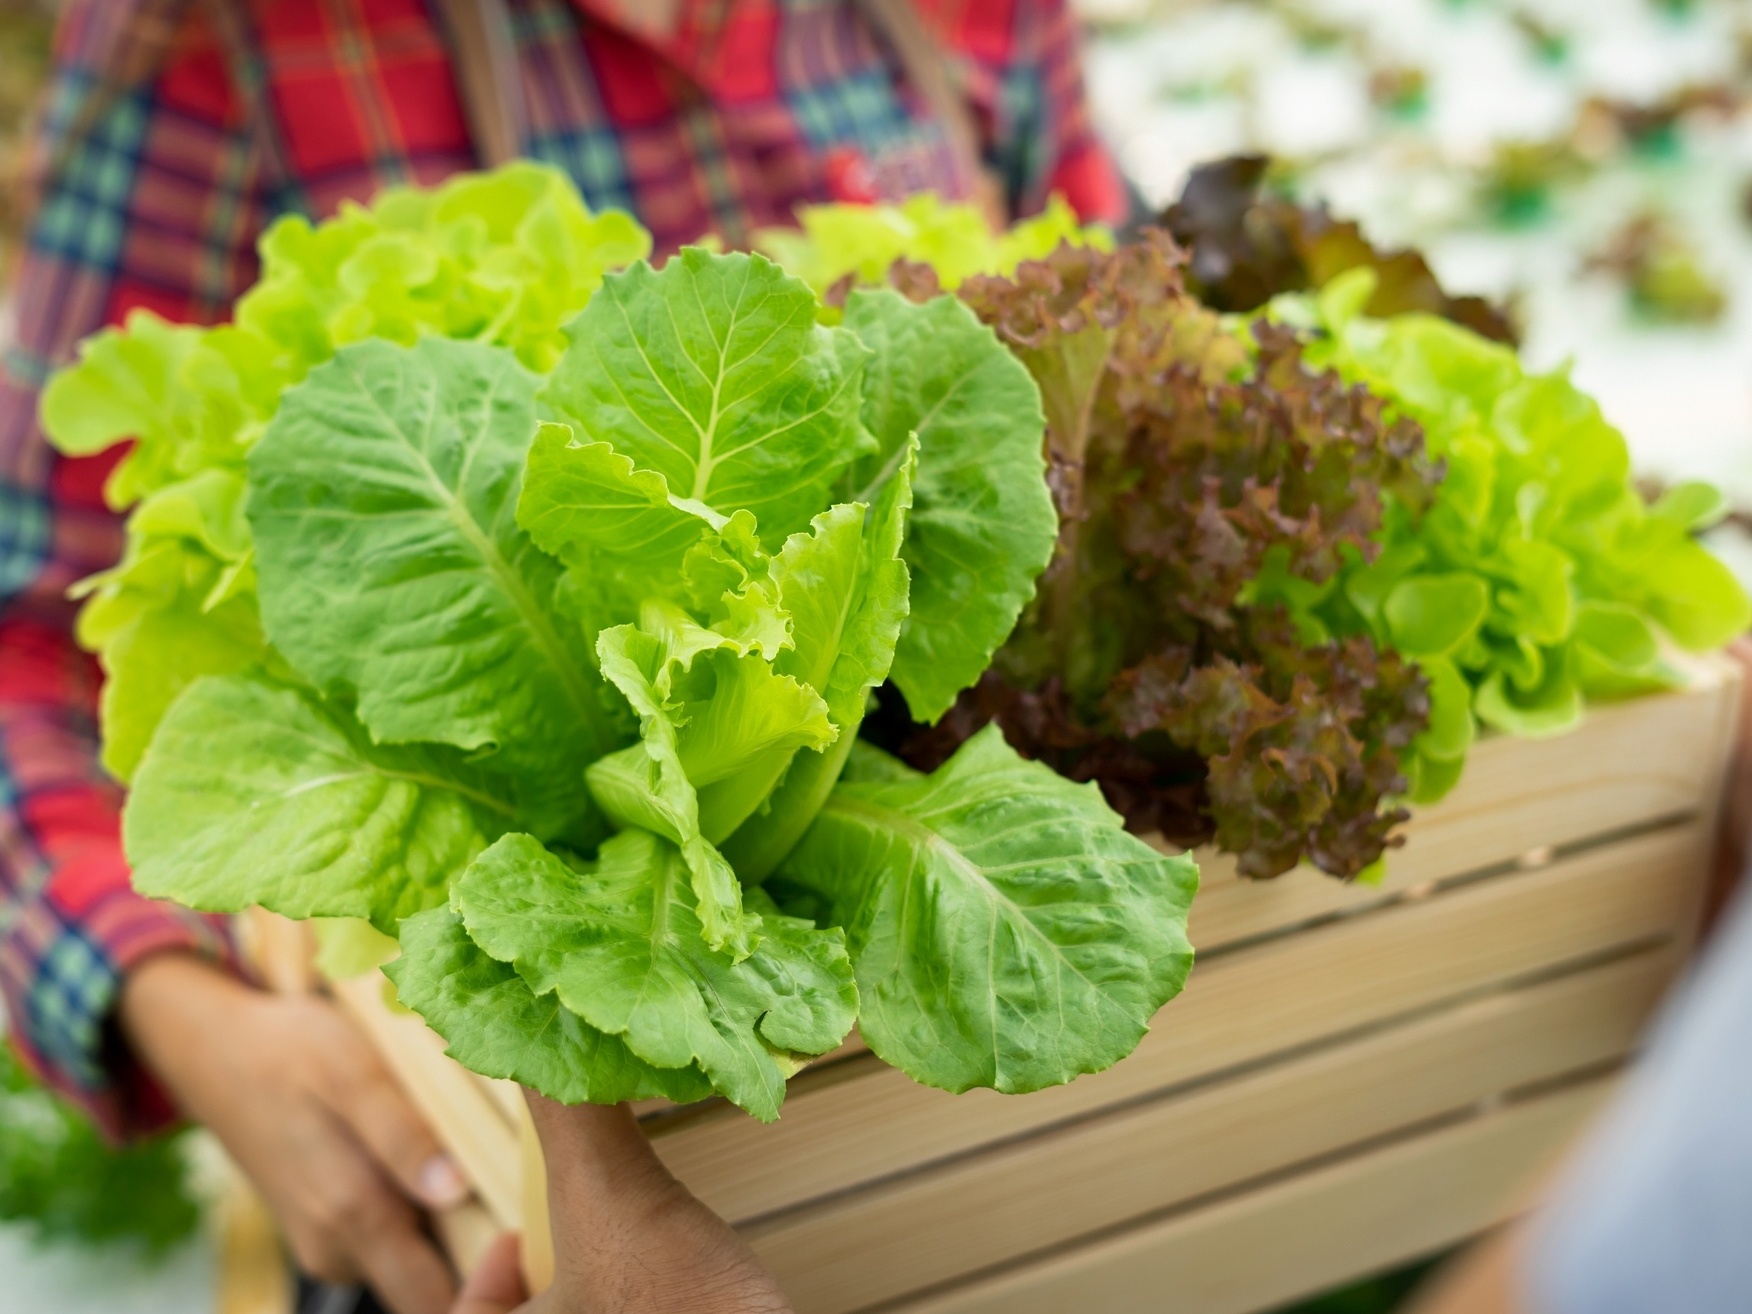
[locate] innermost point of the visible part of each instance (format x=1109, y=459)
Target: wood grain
x=981, y=1212
x=461, y=1113
x=1242, y=1008
x=1314, y=1230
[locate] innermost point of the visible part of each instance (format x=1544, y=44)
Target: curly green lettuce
x=1539, y=579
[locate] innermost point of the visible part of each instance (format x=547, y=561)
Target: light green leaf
x=382, y=499
x=151, y=653
x=622, y=948
x=1618, y=634
x=1369, y=584
x=709, y=714
x=499, y=1027
x=868, y=764
x=850, y=631
x=192, y=399
x=586, y=494
x=1432, y=778
x=252, y=793
x=348, y=947
x=1005, y=929
x=1537, y=602
x=1696, y=598
x=714, y=374
x=1452, y=729
x=1619, y=652
x=1692, y=506
x=1433, y=615
x=120, y=388
x=1553, y=708
x=982, y=526
x=179, y=605
x=616, y=527
x=953, y=237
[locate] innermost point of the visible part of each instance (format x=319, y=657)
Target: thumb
x=496, y=1285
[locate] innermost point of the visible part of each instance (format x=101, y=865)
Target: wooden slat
x=460, y=1112
x=1626, y=765
x=874, y=1121
x=982, y=1212
x=465, y=1231
x=506, y=1097
x=1313, y=1230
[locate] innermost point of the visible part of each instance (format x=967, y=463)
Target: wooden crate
x=1354, y=1076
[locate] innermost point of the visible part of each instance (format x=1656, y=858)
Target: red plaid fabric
x=157, y=193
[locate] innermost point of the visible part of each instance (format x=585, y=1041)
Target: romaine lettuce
x=558, y=658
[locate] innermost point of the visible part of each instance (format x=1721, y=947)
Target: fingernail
x=440, y=1182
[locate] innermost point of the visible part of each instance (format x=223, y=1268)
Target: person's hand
x=303, y=1104
x=628, y=1237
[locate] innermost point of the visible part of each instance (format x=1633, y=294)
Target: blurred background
x=1585, y=163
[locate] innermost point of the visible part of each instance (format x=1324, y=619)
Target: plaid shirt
x=159, y=189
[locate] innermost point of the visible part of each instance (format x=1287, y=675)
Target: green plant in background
x=1662, y=269
x=954, y=238
x=1538, y=579
x=62, y=1180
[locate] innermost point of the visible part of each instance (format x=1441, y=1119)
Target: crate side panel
x=982, y=1212
x=1239, y=1009
x=1312, y=1231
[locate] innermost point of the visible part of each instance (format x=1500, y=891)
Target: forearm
x=171, y=1006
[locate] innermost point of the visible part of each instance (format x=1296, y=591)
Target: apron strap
x=898, y=23
x=484, y=55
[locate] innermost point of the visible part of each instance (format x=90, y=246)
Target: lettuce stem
x=762, y=842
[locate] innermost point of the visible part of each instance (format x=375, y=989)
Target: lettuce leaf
x=179, y=605
x=255, y=793
x=1005, y=930
x=505, y=257
x=1539, y=578
x=392, y=568
x=982, y=525
x=861, y=242
x=714, y=374
x=499, y=1027
x=846, y=624
x=707, y=712
x=619, y=946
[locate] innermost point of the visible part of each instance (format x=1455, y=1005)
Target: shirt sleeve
x=1653, y=1216
x=1021, y=65
x=147, y=198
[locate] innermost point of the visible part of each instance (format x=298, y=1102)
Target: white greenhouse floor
x=70, y=1281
